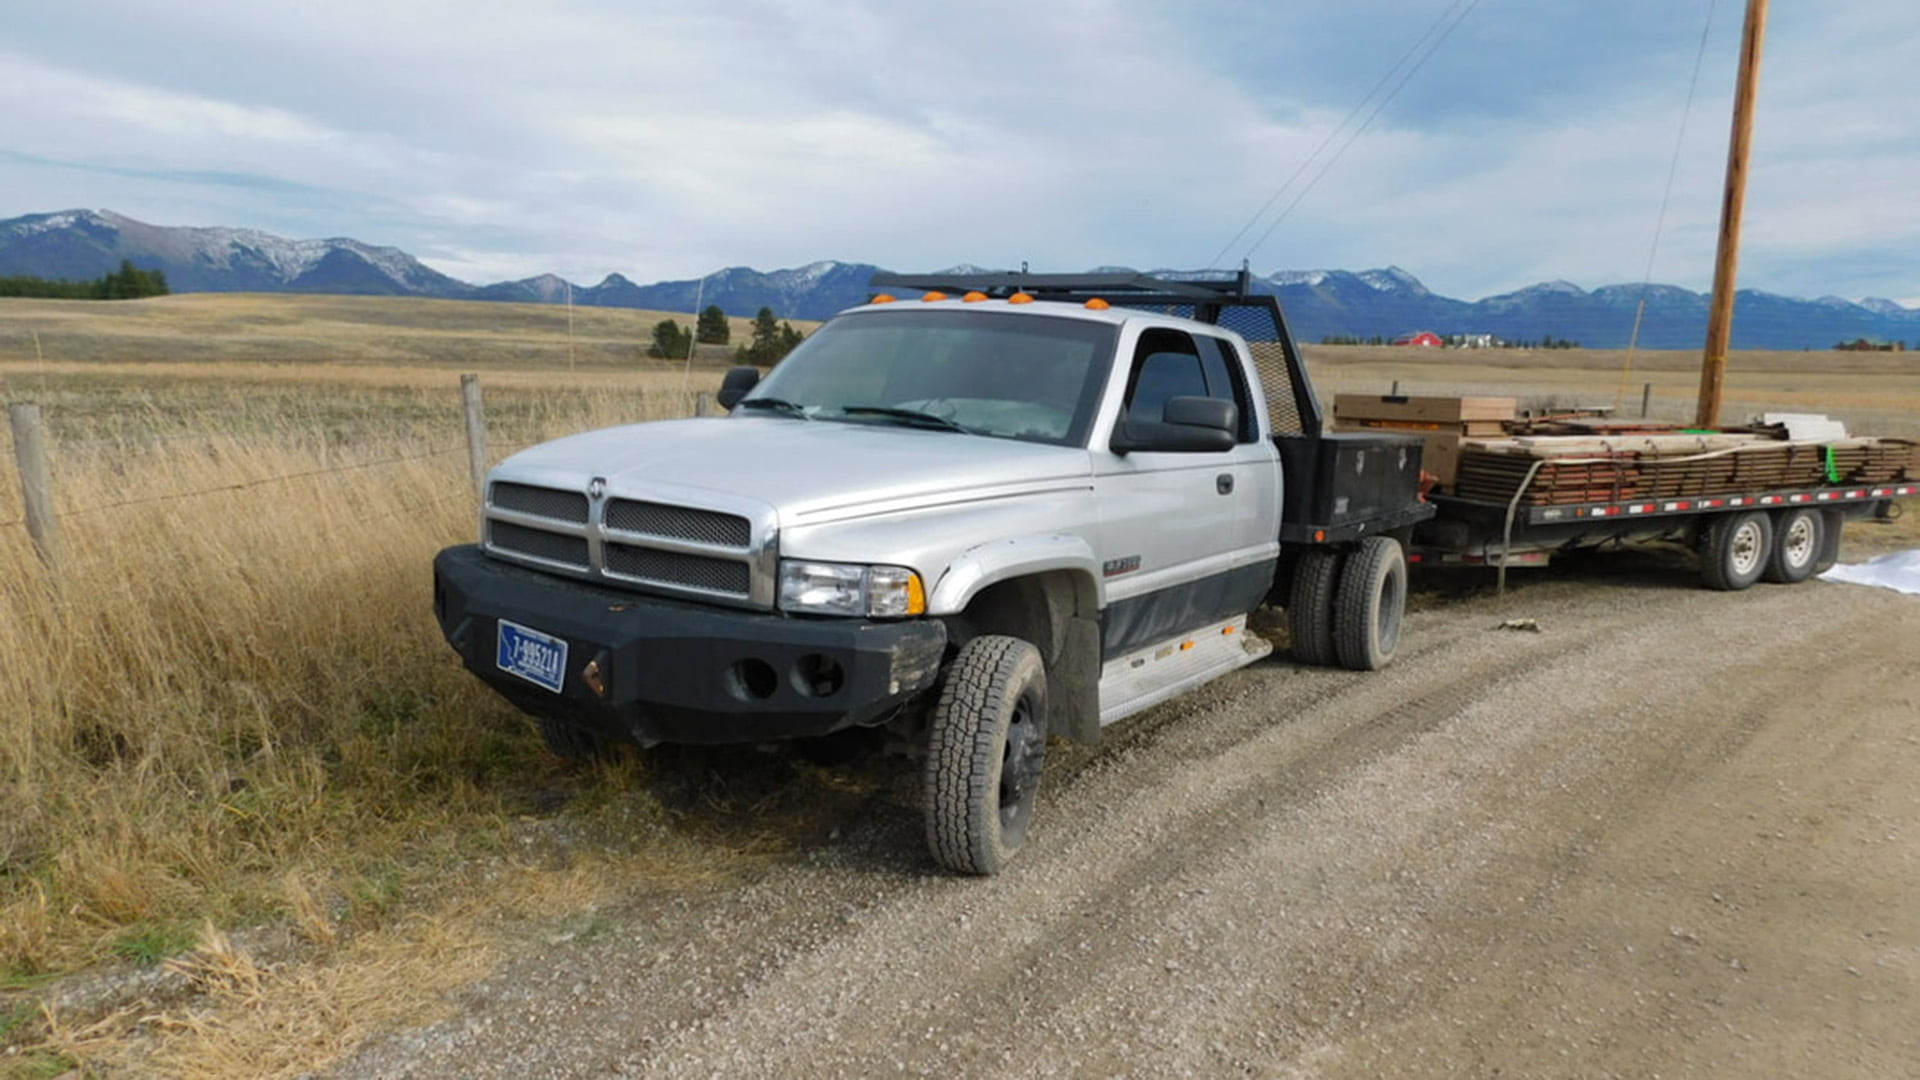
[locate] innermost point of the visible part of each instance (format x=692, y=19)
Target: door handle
x=1223, y=483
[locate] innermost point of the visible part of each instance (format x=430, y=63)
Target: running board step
x=1143, y=679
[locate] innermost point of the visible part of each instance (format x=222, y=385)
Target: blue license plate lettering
x=539, y=658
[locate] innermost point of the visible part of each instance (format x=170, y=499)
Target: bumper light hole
x=752, y=679
x=818, y=676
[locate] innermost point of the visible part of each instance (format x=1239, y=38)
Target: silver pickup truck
x=998, y=509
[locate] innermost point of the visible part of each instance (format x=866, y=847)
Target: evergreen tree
x=772, y=339
x=670, y=342
x=127, y=283
x=712, y=329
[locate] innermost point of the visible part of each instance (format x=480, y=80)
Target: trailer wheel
x=1798, y=537
x=985, y=746
x=1832, y=521
x=1735, y=549
x=1316, y=580
x=1373, y=596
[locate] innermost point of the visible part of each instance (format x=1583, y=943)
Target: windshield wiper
x=775, y=404
x=908, y=416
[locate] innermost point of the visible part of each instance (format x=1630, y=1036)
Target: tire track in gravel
x=1048, y=969
x=1290, y=872
x=1181, y=814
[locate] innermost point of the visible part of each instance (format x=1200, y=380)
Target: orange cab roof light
x=883, y=298
x=973, y=297
x=934, y=296
x=1020, y=298
x=1097, y=304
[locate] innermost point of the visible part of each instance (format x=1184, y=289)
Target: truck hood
x=810, y=472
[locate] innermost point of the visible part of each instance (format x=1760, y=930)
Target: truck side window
x=1224, y=379
x=1166, y=365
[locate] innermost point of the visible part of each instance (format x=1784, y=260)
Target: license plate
x=539, y=658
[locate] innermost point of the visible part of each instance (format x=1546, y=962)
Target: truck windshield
x=1014, y=376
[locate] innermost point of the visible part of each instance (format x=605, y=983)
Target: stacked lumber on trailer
x=1444, y=422
x=1479, y=448
x=1582, y=469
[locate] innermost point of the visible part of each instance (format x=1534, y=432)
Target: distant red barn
x=1426, y=338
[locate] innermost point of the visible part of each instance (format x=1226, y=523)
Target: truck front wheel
x=1373, y=596
x=1735, y=549
x=985, y=746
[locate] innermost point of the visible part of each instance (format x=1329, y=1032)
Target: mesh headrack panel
x=1225, y=302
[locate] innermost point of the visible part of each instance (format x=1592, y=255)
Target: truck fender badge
x=597, y=488
x=1125, y=565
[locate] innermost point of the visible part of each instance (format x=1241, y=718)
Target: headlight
x=820, y=588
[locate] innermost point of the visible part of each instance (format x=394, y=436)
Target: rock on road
x=1674, y=833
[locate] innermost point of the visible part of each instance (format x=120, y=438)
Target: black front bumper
x=678, y=672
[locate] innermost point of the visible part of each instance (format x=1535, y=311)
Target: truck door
x=1176, y=529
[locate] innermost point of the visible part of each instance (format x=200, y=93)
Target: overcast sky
x=498, y=140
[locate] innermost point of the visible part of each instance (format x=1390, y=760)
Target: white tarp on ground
x=1899, y=571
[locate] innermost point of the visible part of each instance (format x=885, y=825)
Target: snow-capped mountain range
x=1386, y=302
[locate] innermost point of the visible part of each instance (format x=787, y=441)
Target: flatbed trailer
x=1784, y=536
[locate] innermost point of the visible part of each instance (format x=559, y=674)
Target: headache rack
x=1228, y=302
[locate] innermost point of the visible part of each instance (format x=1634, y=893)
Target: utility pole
x=1713, y=365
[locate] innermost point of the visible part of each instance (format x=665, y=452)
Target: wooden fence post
x=476, y=433
x=1646, y=398
x=702, y=404
x=36, y=480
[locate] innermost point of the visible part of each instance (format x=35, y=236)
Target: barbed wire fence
x=33, y=462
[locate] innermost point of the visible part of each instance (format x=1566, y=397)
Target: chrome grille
x=724, y=549
x=678, y=568
x=538, y=544
x=679, y=523
x=541, y=502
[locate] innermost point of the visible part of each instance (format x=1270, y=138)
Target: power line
x=1371, y=116
x=1666, y=197
x=1334, y=134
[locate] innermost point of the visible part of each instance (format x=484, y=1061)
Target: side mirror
x=1217, y=414
x=1187, y=425
x=735, y=386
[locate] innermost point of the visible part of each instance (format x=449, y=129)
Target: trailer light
x=883, y=298
x=934, y=296
x=973, y=297
x=591, y=676
x=1319, y=536
x=1097, y=304
x=1019, y=298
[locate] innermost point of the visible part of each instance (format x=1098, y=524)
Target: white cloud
x=499, y=139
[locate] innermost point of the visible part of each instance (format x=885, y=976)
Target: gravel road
x=1674, y=833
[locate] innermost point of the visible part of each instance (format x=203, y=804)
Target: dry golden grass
x=231, y=668
x=287, y=329
x=230, y=705
x=257, y=1020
